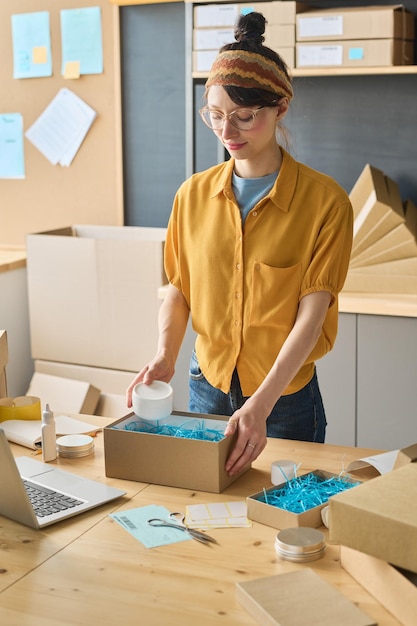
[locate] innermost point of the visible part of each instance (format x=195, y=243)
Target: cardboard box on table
x=4, y=357
x=260, y=511
x=394, y=588
x=93, y=295
x=379, y=517
x=370, y=22
x=167, y=460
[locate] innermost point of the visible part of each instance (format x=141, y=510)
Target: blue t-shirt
x=248, y=191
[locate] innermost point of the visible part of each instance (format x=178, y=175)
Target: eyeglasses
x=242, y=119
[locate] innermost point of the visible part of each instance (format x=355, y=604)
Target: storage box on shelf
x=4, y=356
x=355, y=37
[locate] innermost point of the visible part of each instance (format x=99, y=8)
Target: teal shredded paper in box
x=299, y=501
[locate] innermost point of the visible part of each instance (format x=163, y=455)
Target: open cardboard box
x=394, y=588
x=168, y=460
x=260, y=511
x=379, y=517
x=4, y=357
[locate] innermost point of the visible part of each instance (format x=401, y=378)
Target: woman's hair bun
x=250, y=28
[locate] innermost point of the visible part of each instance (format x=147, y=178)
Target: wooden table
x=89, y=570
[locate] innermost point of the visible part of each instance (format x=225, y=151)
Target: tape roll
x=20, y=408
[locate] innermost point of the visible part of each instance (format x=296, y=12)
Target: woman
x=257, y=250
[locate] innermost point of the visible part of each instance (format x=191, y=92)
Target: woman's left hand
x=251, y=438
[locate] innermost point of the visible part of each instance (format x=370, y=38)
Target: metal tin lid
x=300, y=544
x=74, y=446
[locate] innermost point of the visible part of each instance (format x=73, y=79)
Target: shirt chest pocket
x=275, y=295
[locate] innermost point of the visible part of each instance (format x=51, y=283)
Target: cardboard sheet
x=296, y=599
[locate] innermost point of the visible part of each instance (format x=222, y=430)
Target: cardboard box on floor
x=377, y=208
x=394, y=588
x=166, y=460
x=379, y=517
x=63, y=394
x=355, y=53
x=93, y=294
x=369, y=22
x=4, y=357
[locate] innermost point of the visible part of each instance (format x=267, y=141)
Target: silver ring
x=250, y=445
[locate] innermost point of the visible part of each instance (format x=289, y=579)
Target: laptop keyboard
x=46, y=501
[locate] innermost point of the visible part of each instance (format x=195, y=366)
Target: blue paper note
x=31, y=45
x=82, y=39
x=135, y=521
x=12, y=164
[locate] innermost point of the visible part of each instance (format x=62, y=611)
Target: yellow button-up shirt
x=243, y=283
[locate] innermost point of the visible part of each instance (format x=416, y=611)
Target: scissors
x=180, y=525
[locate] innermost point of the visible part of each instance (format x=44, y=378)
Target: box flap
x=4, y=354
x=406, y=455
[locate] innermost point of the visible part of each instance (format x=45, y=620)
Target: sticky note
x=72, y=69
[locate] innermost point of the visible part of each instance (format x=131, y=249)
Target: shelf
x=342, y=71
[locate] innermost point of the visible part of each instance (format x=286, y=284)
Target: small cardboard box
x=280, y=11
x=355, y=53
x=167, y=460
x=377, y=207
x=371, y=22
x=4, y=357
x=394, y=588
x=270, y=515
x=379, y=517
x=93, y=294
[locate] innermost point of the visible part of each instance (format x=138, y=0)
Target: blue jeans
x=298, y=416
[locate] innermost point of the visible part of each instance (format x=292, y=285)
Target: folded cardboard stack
x=384, y=250
x=355, y=37
x=376, y=526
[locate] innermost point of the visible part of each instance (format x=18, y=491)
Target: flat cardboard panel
x=392, y=587
x=399, y=243
x=374, y=22
x=108, y=380
x=90, y=190
x=298, y=598
x=170, y=461
x=64, y=394
x=394, y=277
x=93, y=295
x=379, y=517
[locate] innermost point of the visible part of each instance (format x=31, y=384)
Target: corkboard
x=90, y=190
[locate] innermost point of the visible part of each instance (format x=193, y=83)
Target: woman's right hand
x=160, y=368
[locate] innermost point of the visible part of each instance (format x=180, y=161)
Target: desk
x=89, y=570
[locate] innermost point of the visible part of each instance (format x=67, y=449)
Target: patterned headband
x=251, y=70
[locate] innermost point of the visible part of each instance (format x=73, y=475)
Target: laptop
x=37, y=494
